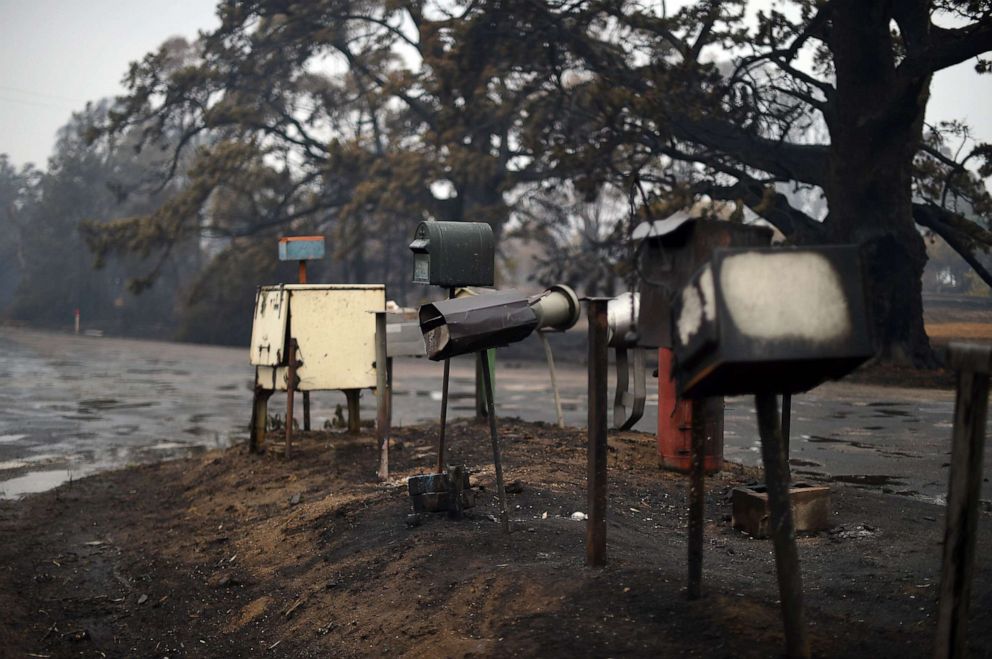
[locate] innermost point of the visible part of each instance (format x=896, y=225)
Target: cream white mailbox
x=334, y=327
x=323, y=336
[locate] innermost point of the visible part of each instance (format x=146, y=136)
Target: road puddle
x=873, y=480
x=35, y=481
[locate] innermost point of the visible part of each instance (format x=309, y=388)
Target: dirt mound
x=235, y=554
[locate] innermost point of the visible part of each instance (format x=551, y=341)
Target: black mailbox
x=672, y=251
x=454, y=254
x=474, y=323
x=770, y=320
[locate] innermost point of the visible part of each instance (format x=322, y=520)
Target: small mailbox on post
x=302, y=249
x=775, y=320
x=768, y=321
x=454, y=254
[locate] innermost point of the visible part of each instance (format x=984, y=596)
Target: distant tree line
x=357, y=120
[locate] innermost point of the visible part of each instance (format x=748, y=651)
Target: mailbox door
x=335, y=329
x=268, y=329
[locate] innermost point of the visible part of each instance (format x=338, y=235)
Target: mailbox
x=334, y=327
x=672, y=251
x=478, y=322
x=454, y=254
x=301, y=248
x=492, y=319
x=771, y=320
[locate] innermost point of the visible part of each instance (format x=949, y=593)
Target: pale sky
x=55, y=55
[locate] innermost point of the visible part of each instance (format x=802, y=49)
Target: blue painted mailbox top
x=301, y=248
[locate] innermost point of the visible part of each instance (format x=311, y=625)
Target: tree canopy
x=359, y=118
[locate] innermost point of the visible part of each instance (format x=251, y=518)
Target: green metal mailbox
x=454, y=254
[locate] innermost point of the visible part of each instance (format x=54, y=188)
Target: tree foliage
x=359, y=118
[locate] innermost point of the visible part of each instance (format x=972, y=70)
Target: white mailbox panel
x=334, y=327
x=268, y=330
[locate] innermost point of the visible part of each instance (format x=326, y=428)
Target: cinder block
x=810, y=509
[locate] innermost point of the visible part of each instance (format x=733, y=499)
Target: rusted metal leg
x=963, y=494
x=259, y=418
x=306, y=411
x=790, y=582
x=354, y=411
x=481, y=406
x=382, y=394
x=697, y=474
x=290, y=391
x=559, y=417
x=441, y=449
x=504, y=516
x=597, y=422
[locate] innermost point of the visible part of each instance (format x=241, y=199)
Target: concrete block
x=810, y=509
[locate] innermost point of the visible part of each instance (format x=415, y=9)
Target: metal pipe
x=559, y=416
x=597, y=423
x=790, y=583
x=504, y=515
x=444, y=406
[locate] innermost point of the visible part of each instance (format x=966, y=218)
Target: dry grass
x=959, y=330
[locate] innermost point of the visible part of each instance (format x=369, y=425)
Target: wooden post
x=306, y=394
x=790, y=583
x=306, y=411
x=290, y=390
x=382, y=394
x=259, y=417
x=786, y=426
x=696, y=499
x=974, y=365
x=597, y=423
x=559, y=417
x=354, y=410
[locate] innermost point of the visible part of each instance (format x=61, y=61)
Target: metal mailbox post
x=766, y=321
x=302, y=249
x=489, y=320
x=473, y=264
x=312, y=337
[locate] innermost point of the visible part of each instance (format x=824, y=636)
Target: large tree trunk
x=876, y=126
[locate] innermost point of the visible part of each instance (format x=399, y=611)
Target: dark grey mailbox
x=474, y=323
x=770, y=320
x=672, y=251
x=454, y=254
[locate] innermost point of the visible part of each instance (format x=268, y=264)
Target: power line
x=36, y=104
x=57, y=97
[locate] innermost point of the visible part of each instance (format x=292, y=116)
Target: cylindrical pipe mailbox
x=470, y=324
x=556, y=308
x=621, y=316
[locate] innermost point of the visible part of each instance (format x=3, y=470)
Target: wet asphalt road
x=74, y=405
